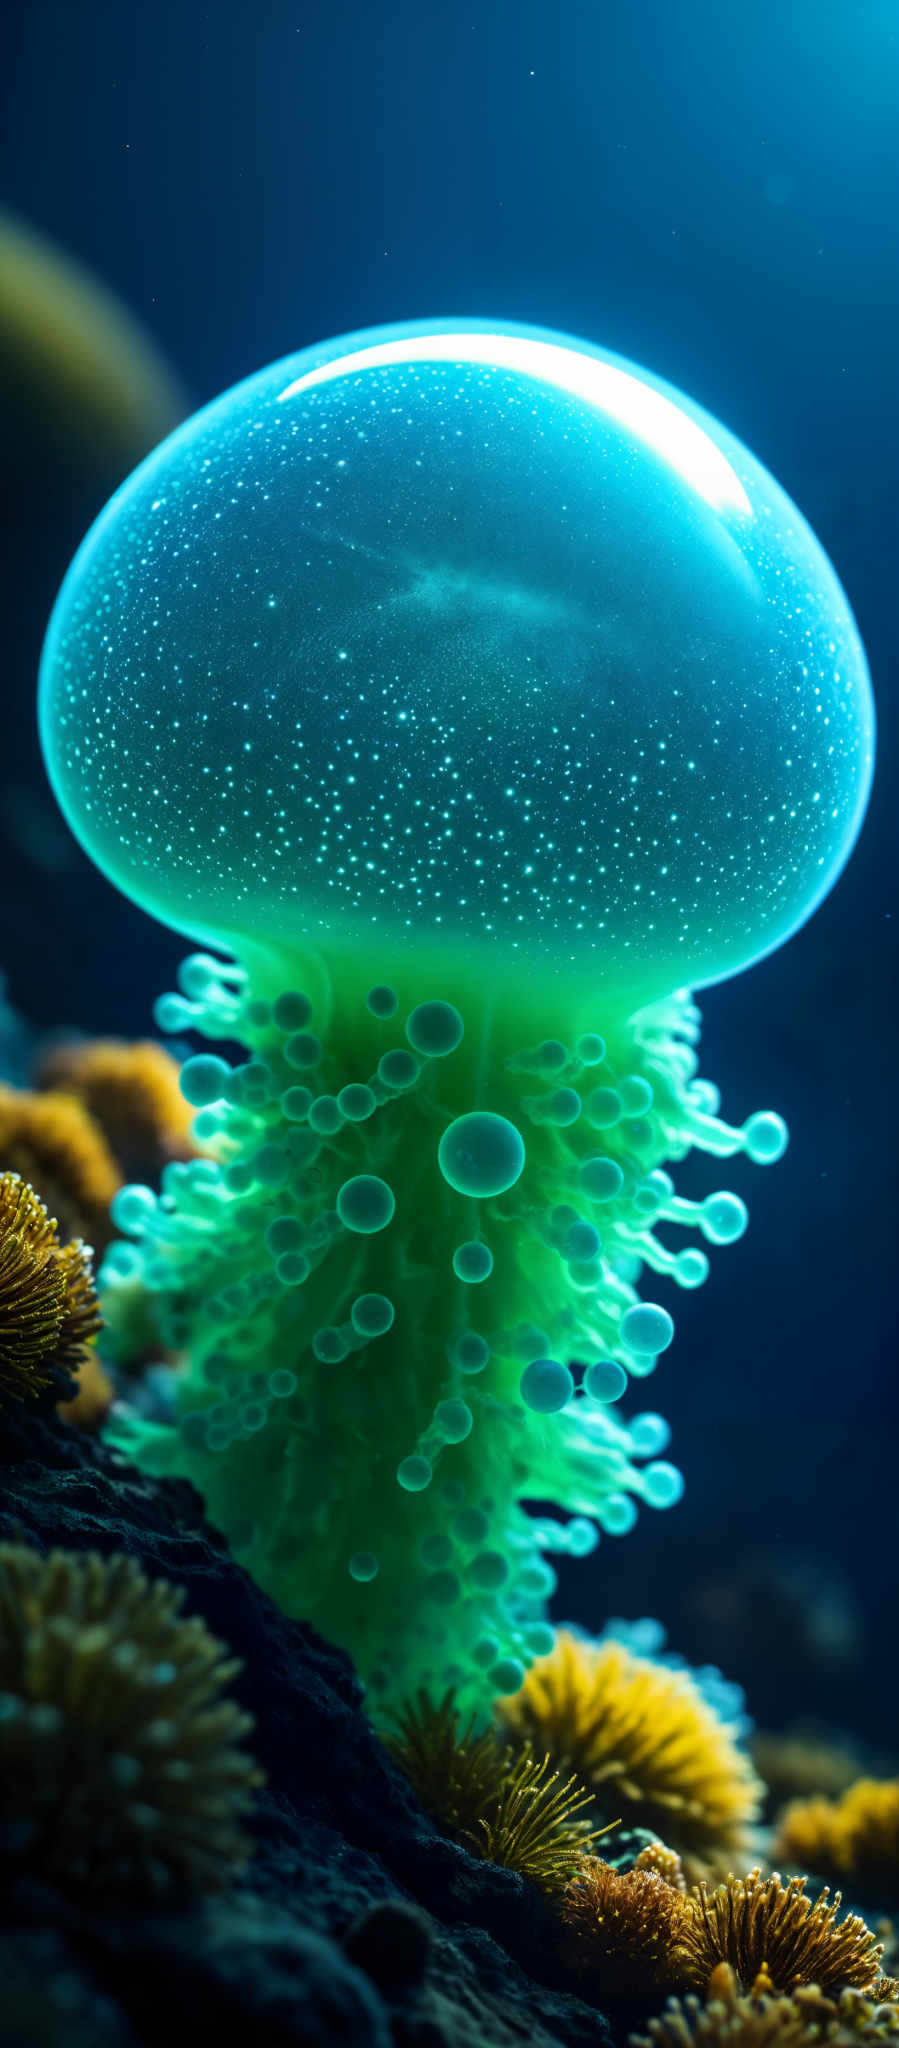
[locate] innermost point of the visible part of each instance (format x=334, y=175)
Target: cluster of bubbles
x=462, y=1351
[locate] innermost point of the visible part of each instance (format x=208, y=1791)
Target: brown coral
x=51, y=1142
x=755, y=1923
x=131, y=1092
x=119, y=1761
x=731, y=2018
x=503, y=1806
x=620, y=1928
x=645, y=1741
x=854, y=1837
x=49, y=1312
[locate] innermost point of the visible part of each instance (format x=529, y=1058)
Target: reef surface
x=355, y=1921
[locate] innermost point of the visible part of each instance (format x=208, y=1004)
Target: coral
x=49, y=1312
x=337, y=1830
x=620, y=1928
x=647, y=1638
x=665, y=1861
x=89, y=1406
x=52, y=1142
x=731, y=2018
x=855, y=1837
x=120, y=1768
x=756, y=1923
x=500, y=1805
x=645, y=1741
x=131, y=1092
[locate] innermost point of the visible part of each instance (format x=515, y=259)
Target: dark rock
x=436, y=1946
x=392, y=1943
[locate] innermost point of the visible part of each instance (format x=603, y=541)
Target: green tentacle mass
x=406, y=1287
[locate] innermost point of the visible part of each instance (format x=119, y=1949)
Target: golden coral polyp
x=760, y=2018
x=504, y=1807
x=131, y=1092
x=620, y=1928
x=755, y=1923
x=645, y=1741
x=52, y=1142
x=120, y=1761
x=855, y=1837
x=49, y=1312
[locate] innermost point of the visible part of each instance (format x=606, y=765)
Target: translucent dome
x=462, y=632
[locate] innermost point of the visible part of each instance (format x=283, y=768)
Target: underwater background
x=711, y=192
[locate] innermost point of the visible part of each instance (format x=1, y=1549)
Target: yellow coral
x=131, y=1091
x=645, y=1741
x=500, y=1805
x=665, y=1862
x=94, y=1397
x=119, y=1764
x=620, y=1927
x=755, y=1923
x=731, y=2018
x=52, y=1142
x=854, y=1837
x=49, y=1312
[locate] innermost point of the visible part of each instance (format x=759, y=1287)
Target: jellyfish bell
x=459, y=639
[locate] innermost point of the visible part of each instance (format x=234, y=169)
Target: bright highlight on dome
x=479, y=695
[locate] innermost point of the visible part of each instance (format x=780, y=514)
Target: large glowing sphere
x=470, y=634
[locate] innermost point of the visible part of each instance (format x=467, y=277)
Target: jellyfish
x=471, y=699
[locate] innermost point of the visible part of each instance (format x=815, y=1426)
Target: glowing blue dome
x=462, y=633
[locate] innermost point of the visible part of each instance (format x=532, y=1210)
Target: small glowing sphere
x=372, y=1314
x=663, y=1484
x=202, y=1079
x=453, y=1420
x=724, y=1218
x=382, y=1001
x=363, y=1566
x=601, y=1178
x=365, y=1203
x=291, y=1011
x=485, y=568
x=472, y=1352
x=414, y=1473
x=646, y=1328
x=605, y=1380
x=481, y=1154
x=472, y=1262
x=434, y=1029
x=546, y=1386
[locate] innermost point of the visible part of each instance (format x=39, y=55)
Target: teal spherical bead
x=646, y=1328
x=481, y=1154
x=473, y=1262
x=434, y=1029
x=203, y=1079
x=546, y=1386
x=365, y=1203
x=243, y=625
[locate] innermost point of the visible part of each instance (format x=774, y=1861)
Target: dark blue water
x=710, y=191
